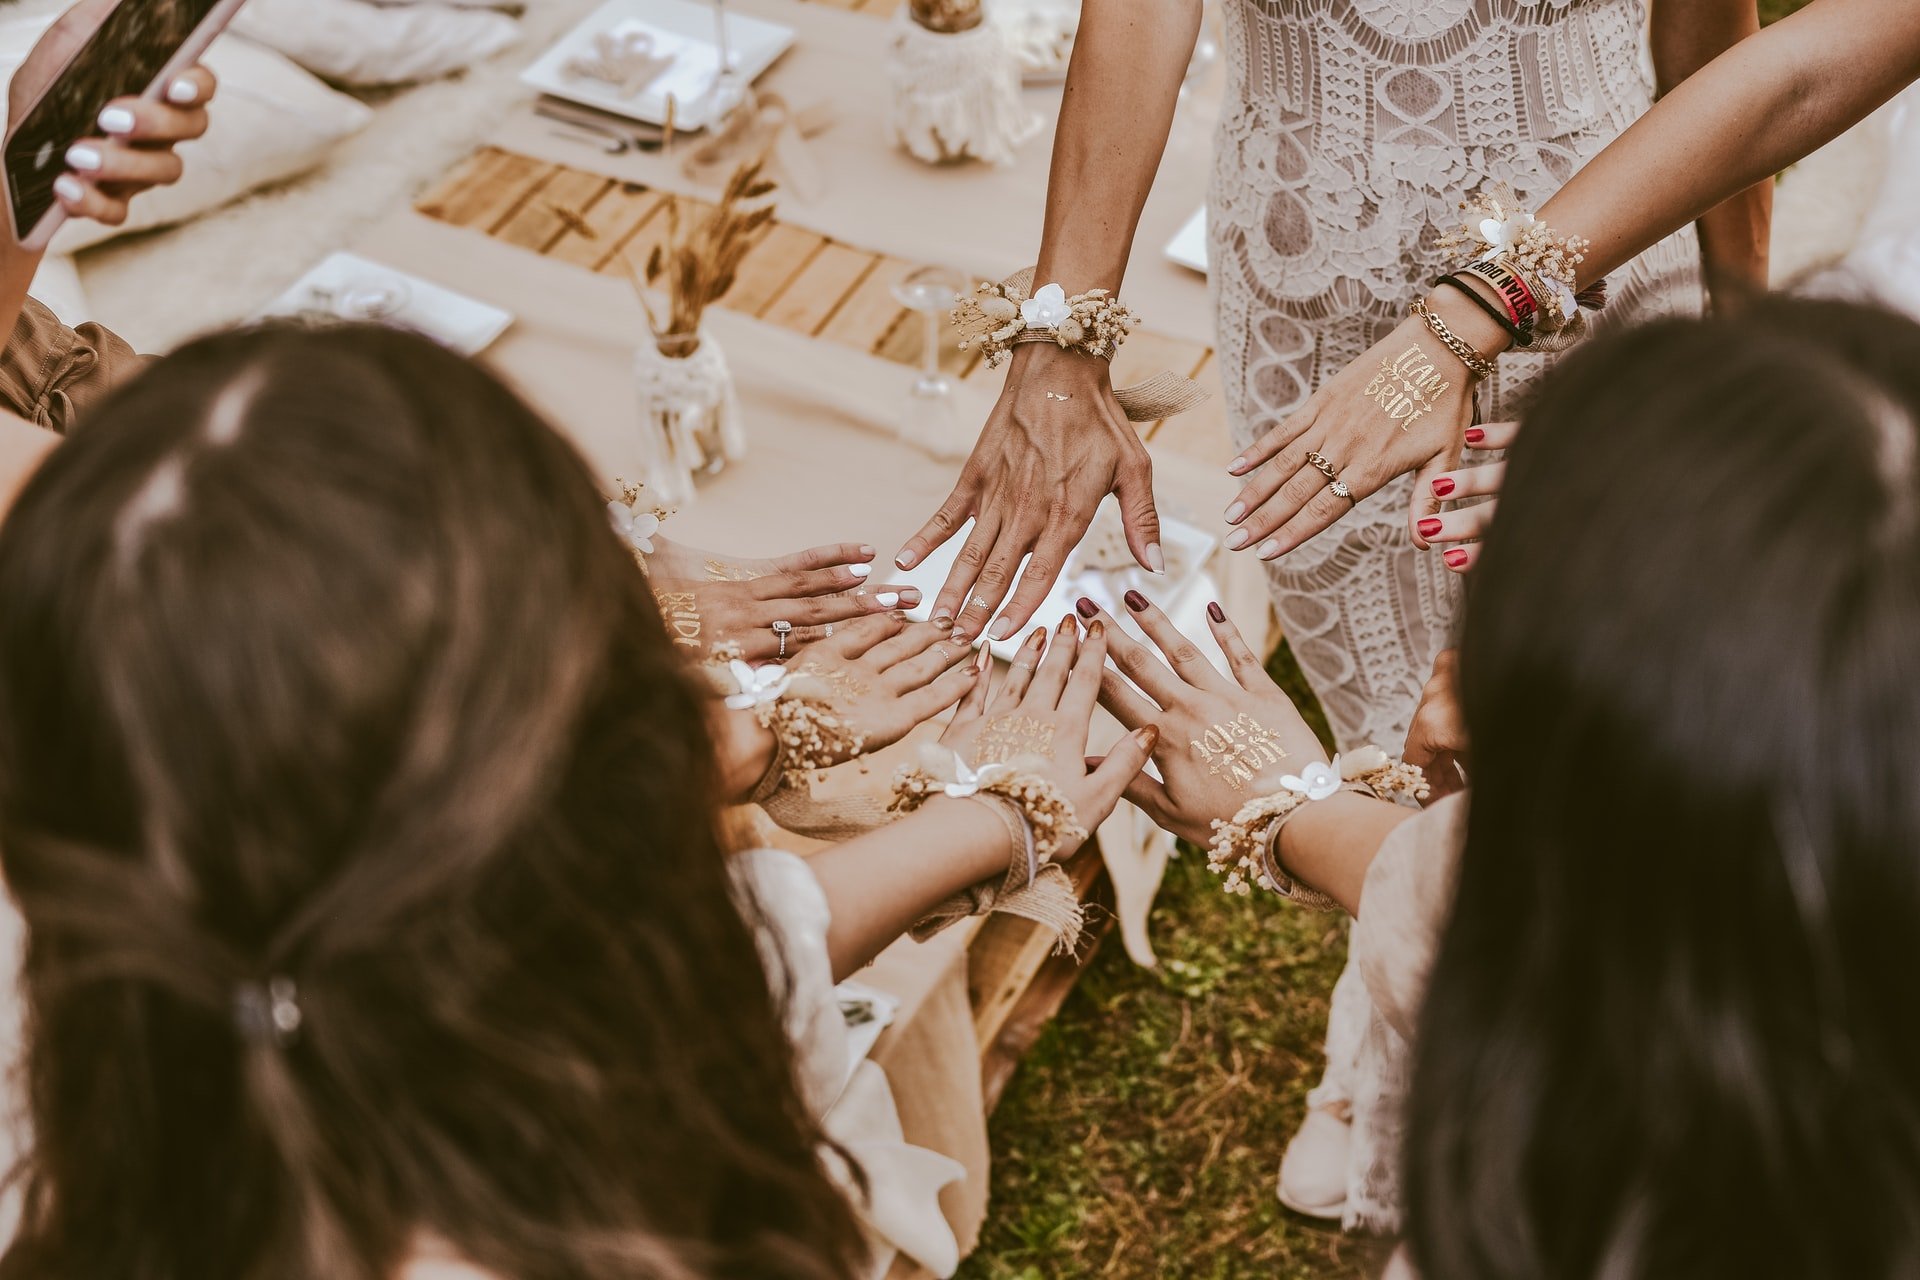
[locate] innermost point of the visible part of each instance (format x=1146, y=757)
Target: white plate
x=681, y=29
x=1189, y=244
x=349, y=287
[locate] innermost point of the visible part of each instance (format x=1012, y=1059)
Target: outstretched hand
x=884, y=676
x=1055, y=445
x=1463, y=525
x=733, y=608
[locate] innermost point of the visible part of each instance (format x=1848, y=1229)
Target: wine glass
x=932, y=416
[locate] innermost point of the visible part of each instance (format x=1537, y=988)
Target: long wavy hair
x=1673, y=1028
x=322, y=675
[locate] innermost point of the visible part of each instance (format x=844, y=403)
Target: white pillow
x=356, y=43
x=270, y=121
x=57, y=286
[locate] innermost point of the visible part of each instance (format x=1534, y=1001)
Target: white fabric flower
x=967, y=781
x=637, y=527
x=757, y=686
x=1562, y=296
x=1361, y=761
x=1317, y=781
x=1046, y=308
x=1502, y=234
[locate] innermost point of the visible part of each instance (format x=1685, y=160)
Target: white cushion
x=270, y=121
x=57, y=285
x=357, y=43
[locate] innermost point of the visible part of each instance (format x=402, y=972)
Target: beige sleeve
x=50, y=374
x=1404, y=905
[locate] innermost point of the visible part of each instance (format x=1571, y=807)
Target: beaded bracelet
x=1477, y=365
x=1521, y=338
x=1244, y=849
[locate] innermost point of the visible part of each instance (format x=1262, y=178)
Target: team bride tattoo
x=1238, y=750
x=1407, y=387
x=1007, y=738
x=682, y=617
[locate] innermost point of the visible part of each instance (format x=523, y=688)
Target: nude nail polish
x=1428, y=527
x=1235, y=467
x=1155, y=560
x=1442, y=486
x=1456, y=559
x=1215, y=612
x=867, y=551
x=1269, y=549
x=1000, y=630
x=905, y=559
x=1136, y=601
x=1475, y=435
x=1238, y=539
x=911, y=596
x=859, y=570
x=1236, y=513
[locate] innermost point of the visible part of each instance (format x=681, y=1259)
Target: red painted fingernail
x=1136, y=601
x=1442, y=486
x=1475, y=435
x=1456, y=559
x=1215, y=612
x=1428, y=527
x=1086, y=607
x=1039, y=637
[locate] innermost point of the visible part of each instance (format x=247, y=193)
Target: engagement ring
x=782, y=629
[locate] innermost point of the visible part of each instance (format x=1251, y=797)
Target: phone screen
x=120, y=60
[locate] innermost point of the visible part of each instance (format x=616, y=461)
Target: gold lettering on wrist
x=1011, y=736
x=1407, y=386
x=1238, y=750
x=721, y=571
x=682, y=617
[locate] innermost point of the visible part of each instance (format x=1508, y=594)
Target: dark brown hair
x=320, y=662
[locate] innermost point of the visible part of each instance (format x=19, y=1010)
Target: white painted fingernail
x=1000, y=629
x=887, y=599
x=1156, y=561
x=68, y=187
x=1235, y=512
x=117, y=120
x=859, y=570
x=183, y=92
x=85, y=159
x=1269, y=549
x=1237, y=539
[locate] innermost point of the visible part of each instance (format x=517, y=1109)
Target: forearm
x=880, y=883
x=1758, y=107
x=1331, y=843
x=22, y=447
x=1129, y=57
x=17, y=268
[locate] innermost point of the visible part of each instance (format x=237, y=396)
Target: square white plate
x=684, y=30
x=1189, y=244
x=343, y=286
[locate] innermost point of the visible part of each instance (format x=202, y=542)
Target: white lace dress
x=1351, y=131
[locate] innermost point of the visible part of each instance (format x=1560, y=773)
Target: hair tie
x=268, y=1013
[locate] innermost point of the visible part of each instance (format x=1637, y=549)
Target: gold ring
x=1332, y=473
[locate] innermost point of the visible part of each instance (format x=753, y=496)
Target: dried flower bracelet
x=1003, y=316
x=1244, y=848
x=808, y=734
x=1500, y=236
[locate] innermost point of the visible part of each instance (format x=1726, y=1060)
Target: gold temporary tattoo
x=840, y=680
x=721, y=571
x=1009, y=737
x=1407, y=387
x=1238, y=750
x=682, y=616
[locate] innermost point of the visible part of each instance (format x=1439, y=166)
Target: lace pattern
x=1351, y=131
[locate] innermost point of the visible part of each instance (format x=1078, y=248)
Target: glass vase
x=689, y=414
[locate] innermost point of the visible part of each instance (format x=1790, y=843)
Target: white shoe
x=1313, y=1172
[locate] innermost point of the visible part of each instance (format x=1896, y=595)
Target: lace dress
x=1351, y=131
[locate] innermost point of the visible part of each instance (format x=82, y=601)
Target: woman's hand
x=885, y=676
x=134, y=150
x=1403, y=406
x=1055, y=445
x=1041, y=712
x=814, y=592
x=1223, y=739
x=1437, y=739
x=1466, y=525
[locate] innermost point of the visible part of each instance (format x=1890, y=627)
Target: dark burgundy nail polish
x=1442, y=486
x=1475, y=435
x=1428, y=528
x=1136, y=601
x=1215, y=612
x=1086, y=607
x=1456, y=559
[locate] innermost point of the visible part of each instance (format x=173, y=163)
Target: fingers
x=1124, y=702
x=1134, y=489
x=943, y=654
x=1181, y=653
x=799, y=584
x=1150, y=794
x=954, y=512
x=1322, y=511
x=1459, y=526
x=105, y=163
x=966, y=567
x=1469, y=482
x=821, y=610
x=1020, y=672
x=1242, y=661
x=1272, y=496
x=1083, y=682
x=1043, y=566
x=1270, y=445
x=1492, y=435
x=949, y=687
x=1051, y=676
x=991, y=587
x=1123, y=764
x=163, y=123
x=1461, y=559
x=1140, y=665
x=974, y=705
x=869, y=635
x=1428, y=494
x=824, y=557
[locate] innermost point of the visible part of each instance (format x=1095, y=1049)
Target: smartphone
x=138, y=49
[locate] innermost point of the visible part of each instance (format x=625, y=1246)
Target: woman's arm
x=1686, y=35
x=22, y=446
x=1042, y=463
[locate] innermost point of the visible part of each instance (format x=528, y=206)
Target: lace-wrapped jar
x=689, y=414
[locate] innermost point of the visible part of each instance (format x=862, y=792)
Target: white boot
x=1313, y=1173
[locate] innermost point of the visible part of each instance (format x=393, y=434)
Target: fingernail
x=1215, y=612
x=85, y=159
x=905, y=559
x=1475, y=435
x=859, y=570
x=1096, y=629
x=1236, y=513
x=865, y=550
x=959, y=634
x=1428, y=528
x=1442, y=486
x=183, y=92
x=1236, y=466
x=1136, y=601
x=1038, y=638
x=1086, y=607
x=1000, y=630
x=1069, y=626
x=1456, y=559
x=68, y=187
x=1237, y=539
x=981, y=658
x=1147, y=737
x=1156, y=561
x=117, y=120
x=910, y=596
x=1269, y=549
x=887, y=599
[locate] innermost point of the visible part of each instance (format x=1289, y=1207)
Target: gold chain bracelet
x=1477, y=365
